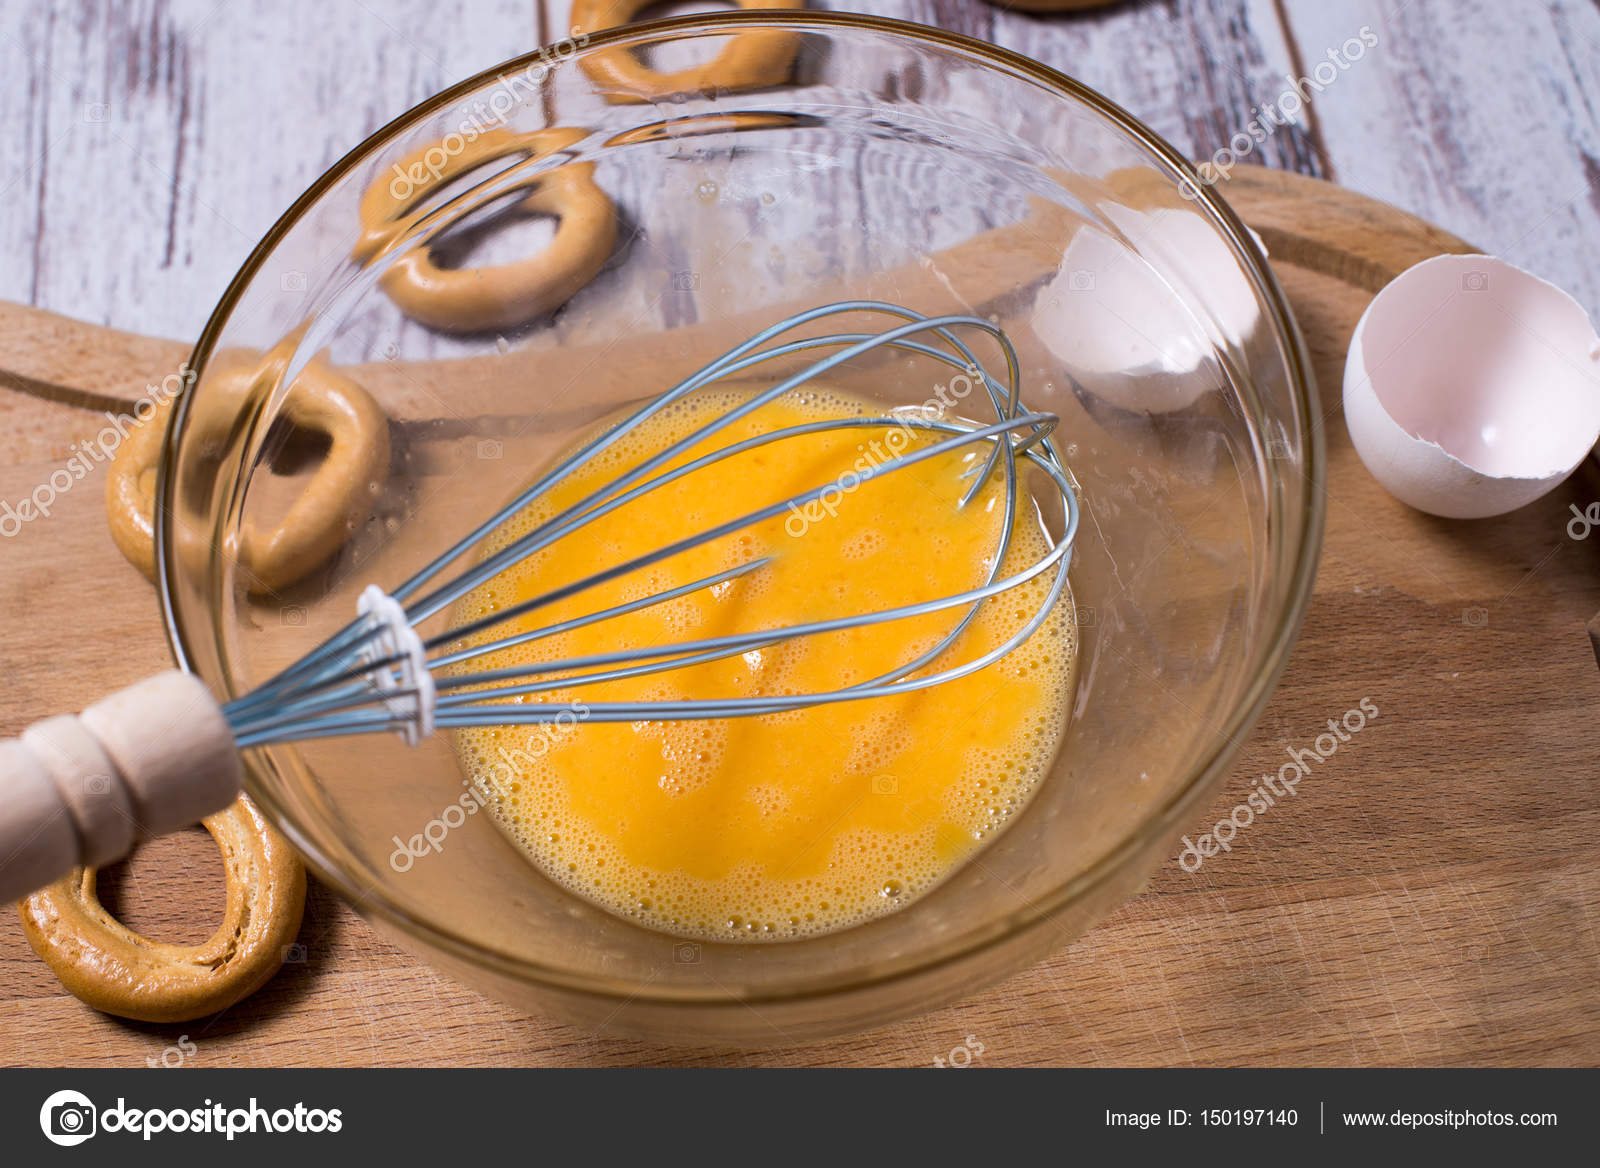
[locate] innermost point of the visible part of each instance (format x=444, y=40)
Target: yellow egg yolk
x=801, y=822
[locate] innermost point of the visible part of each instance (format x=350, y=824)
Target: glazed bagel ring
x=506, y=295
x=750, y=60
x=117, y=971
x=338, y=496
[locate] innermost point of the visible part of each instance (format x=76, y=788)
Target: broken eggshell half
x=1119, y=313
x=1472, y=387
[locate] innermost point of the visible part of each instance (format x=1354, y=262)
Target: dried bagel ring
x=110, y=967
x=319, y=521
x=504, y=295
x=131, y=490
x=751, y=60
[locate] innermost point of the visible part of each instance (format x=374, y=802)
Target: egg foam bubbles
x=803, y=822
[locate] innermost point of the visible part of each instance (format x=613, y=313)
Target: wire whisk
x=380, y=673
x=171, y=751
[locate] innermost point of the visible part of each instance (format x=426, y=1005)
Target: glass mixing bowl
x=866, y=158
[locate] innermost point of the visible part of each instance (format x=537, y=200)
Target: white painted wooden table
x=149, y=144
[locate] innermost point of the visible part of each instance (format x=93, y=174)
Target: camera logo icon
x=685, y=281
x=885, y=785
x=67, y=1118
x=1475, y=282
x=686, y=953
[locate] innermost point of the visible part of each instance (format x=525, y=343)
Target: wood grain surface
x=1431, y=896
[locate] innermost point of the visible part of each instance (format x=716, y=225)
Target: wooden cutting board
x=1431, y=896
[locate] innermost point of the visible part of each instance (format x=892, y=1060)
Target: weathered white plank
x=1192, y=69
x=154, y=142
x=1480, y=116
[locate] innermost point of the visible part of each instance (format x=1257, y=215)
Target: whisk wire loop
x=380, y=673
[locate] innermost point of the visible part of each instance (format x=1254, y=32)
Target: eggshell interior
x=1492, y=364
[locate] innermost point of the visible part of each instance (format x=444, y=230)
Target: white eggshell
x=1120, y=313
x=1472, y=387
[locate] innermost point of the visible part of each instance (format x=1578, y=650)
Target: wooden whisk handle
x=81, y=790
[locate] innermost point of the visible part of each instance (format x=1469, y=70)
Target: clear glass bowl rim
x=1294, y=595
